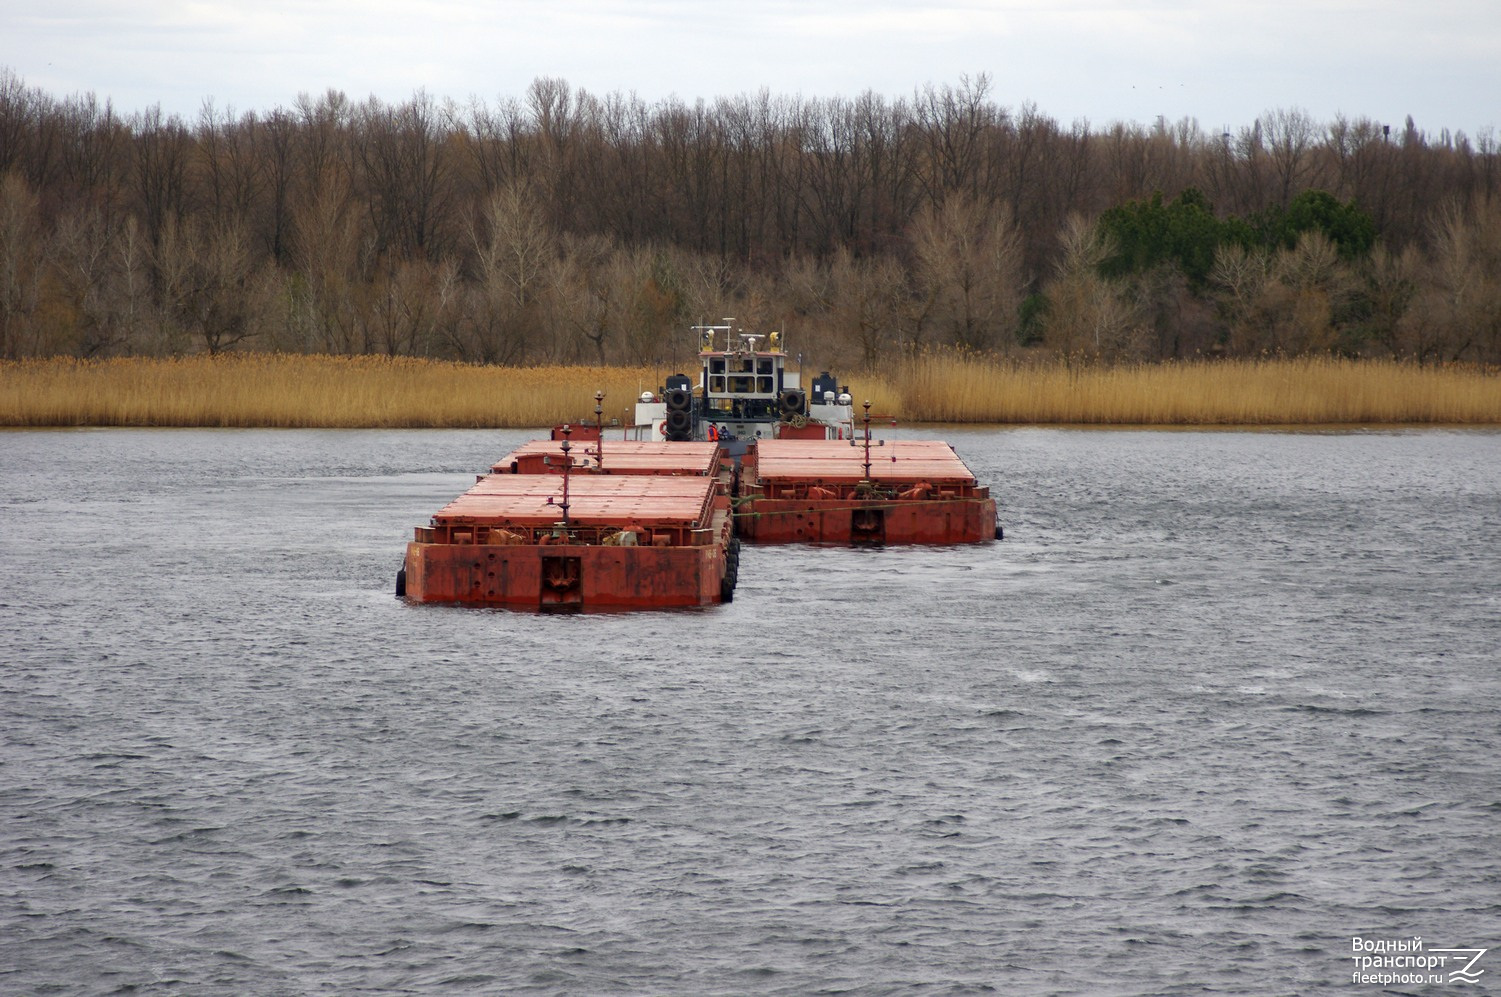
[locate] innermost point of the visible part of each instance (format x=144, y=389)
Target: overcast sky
x=1218, y=61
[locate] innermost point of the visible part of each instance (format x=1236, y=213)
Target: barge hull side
x=781, y=521
x=564, y=576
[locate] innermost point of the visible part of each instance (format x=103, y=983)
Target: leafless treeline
x=564, y=226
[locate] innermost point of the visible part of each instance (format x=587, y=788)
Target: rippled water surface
x=1218, y=704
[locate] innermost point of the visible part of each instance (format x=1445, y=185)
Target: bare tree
x=1242, y=275
x=1248, y=193
x=1390, y=285
x=334, y=259
x=278, y=152
x=324, y=129
x=584, y=298
x=1315, y=285
x=1464, y=295
x=1089, y=316
x=1289, y=135
x=133, y=305
x=515, y=252
x=210, y=283
x=16, y=100
x=162, y=149
x=858, y=300
x=499, y=145
x=403, y=164
x=954, y=122
x=969, y=264
x=411, y=306
x=516, y=244
x=92, y=152
x=83, y=263
x=20, y=266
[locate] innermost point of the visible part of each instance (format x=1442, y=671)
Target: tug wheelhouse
x=744, y=393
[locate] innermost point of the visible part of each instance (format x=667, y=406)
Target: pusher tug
x=744, y=395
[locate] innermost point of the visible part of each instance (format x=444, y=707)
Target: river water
x=1220, y=704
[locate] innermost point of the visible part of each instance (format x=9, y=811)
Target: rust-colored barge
x=651, y=529
x=582, y=521
x=853, y=492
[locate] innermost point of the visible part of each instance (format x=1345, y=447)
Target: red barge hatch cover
x=593, y=500
x=891, y=461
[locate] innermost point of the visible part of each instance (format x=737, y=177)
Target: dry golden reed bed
x=1280, y=391
x=285, y=390
x=323, y=391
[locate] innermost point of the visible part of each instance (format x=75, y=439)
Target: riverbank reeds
x=325, y=391
x=948, y=387
x=287, y=391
